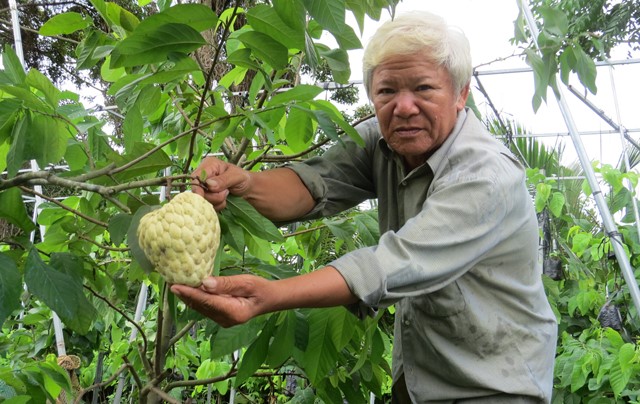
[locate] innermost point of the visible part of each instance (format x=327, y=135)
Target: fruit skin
x=181, y=239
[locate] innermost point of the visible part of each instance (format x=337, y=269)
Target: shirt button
x=407, y=323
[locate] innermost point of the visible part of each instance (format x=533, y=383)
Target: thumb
x=209, y=284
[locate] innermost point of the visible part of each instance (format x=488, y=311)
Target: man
x=458, y=251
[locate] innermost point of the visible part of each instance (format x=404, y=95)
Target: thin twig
x=123, y=314
x=100, y=385
x=63, y=206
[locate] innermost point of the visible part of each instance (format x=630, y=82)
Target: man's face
x=415, y=104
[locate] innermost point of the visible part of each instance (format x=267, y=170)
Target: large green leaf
x=266, y=20
x=338, y=61
x=197, y=16
x=154, y=46
x=132, y=238
x=251, y=220
x=299, y=130
x=586, y=69
x=321, y=355
x=10, y=287
x=283, y=339
x=328, y=13
x=39, y=81
x=266, y=48
x=292, y=13
x=256, y=353
x=65, y=23
x=555, y=21
x=38, y=137
x=228, y=340
x=12, y=209
x=13, y=72
x=132, y=128
x=48, y=138
x=60, y=291
x=302, y=92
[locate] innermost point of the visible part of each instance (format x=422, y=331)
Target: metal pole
x=17, y=39
x=607, y=219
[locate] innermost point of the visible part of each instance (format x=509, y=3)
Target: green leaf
x=540, y=76
x=120, y=17
x=197, y=16
x=299, y=130
x=63, y=24
x=39, y=81
x=137, y=253
x=29, y=99
x=49, y=138
x=338, y=60
x=13, y=69
x=321, y=354
x=267, y=20
x=299, y=93
x=581, y=243
x=328, y=13
x=61, y=292
x=252, y=221
x=342, y=326
x=256, y=353
x=568, y=62
x=543, y=191
x=132, y=128
x=556, y=204
x=347, y=38
x=586, y=69
x=283, y=339
x=12, y=209
x=119, y=225
x=328, y=117
x=266, y=49
x=145, y=48
x=367, y=229
x=555, y=21
x=228, y=340
x=10, y=287
x=292, y=13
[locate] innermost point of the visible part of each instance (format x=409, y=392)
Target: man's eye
x=423, y=87
x=385, y=91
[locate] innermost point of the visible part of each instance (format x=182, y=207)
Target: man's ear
x=462, y=97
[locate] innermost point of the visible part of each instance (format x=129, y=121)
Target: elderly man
x=458, y=251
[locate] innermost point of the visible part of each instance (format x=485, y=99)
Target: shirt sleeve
x=467, y=214
x=341, y=178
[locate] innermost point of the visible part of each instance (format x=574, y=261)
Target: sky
x=489, y=27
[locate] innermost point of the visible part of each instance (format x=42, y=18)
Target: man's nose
x=406, y=104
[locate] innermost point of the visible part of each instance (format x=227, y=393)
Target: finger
x=224, y=310
x=217, y=199
x=246, y=286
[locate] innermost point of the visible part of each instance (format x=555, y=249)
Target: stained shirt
x=457, y=256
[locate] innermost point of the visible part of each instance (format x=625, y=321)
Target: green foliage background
x=186, y=80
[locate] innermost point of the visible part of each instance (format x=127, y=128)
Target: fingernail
x=209, y=283
x=176, y=291
x=211, y=183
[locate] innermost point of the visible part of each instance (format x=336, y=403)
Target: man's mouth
x=407, y=131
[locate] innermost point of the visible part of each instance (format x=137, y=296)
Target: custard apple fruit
x=181, y=239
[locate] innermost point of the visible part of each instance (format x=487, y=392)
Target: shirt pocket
x=444, y=302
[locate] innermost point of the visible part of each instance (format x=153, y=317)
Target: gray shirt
x=458, y=256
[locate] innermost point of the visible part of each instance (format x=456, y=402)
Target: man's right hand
x=278, y=194
x=216, y=179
